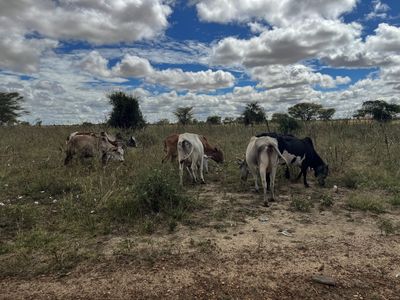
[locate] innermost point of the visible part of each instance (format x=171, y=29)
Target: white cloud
x=96, y=22
x=381, y=49
x=137, y=67
x=278, y=76
x=275, y=12
x=285, y=45
x=379, y=10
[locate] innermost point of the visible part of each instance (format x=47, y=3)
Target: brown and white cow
x=91, y=145
x=131, y=142
x=170, y=148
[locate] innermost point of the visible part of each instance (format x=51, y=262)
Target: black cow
x=300, y=152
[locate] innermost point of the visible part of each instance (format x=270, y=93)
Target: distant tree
x=126, y=112
x=286, y=124
x=214, y=120
x=163, y=122
x=305, y=111
x=184, y=115
x=379, y=110
x=10, y=107
x=229, y=120
x=253, y=114
x=326, y=113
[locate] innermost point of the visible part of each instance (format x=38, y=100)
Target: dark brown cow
x=170, y=148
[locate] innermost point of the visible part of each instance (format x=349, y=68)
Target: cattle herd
x=264, y=153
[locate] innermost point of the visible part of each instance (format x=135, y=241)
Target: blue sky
x=65, y=56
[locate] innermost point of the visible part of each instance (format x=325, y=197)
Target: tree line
x=126, y=112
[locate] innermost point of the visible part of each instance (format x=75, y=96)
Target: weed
x=395, y=200
x=326, y=201
x=386, y=226
x=366, y=202
x=350, y=180
x=301, y=204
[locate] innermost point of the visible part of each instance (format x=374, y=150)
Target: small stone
x=92, y=211
x=324, y=280
x=263, y=219
x=36, y=202
x=41, y=192
x=55, y=201
x=2, y=204
x=335, y=188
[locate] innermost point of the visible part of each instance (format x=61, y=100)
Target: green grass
x=85, y=202
x=366, y=202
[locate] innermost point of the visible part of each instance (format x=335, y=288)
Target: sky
x=65, y=56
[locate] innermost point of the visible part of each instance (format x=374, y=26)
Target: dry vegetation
x=129, y=230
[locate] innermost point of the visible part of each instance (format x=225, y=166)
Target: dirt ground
x=235, y=249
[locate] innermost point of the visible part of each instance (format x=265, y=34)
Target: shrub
x=157, y=194
x=366, y=203
x=300, y=204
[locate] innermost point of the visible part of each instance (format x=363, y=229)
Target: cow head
x=113, y=153
x=131, y=142
x=217, y=155
x=321, y=172
x=244, y=170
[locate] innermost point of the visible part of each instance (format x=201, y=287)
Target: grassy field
x=60, y=222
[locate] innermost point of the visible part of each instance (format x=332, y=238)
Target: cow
x=301, y=153
x=88, y=145
x=131, y=142
x=262, y=155
x=190, y=155
x=170, y=148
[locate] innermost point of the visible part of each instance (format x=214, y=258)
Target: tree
x=184, y=115
x=10, y=107
x=326, y=113
x=286, y=123
x=214, y=120
x=305, y=111
x=126, y=112
x=380, y=110
x=253, y=114
x=163, y=122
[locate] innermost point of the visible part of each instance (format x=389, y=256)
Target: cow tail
x=186, y=144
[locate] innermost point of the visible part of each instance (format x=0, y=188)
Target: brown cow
x=170, y=148
x=88, y=145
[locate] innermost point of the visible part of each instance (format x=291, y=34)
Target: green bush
x=156, y=194
x=300, y=204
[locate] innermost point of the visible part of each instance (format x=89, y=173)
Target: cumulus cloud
x=381, y=49
x=27, y=30
x=285, y=45
x=279, y=76
x=137, y=67
x=275, y=12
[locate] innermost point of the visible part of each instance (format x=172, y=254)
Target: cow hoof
x=203, y=182
x=266, y=204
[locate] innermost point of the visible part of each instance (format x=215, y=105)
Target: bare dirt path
x=235, y=249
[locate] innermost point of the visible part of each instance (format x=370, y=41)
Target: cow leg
x=263, y=175
x=68, y=158
x=190, y=171
x=287, y=173
x=193, y=168
x=272, y=176
x=201, y=170
x=181, y=173
x=304, y=171
x=298, y=176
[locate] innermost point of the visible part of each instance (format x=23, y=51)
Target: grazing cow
x=301, y=153
x=262, y=155
x=190, y=155
x=170, y=148
x=88, y=145
x=131, y=142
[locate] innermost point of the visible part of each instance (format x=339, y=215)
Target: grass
x=366, y=202
x=49, y=208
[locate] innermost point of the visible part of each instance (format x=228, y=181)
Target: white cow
x=190, y=155
x=262, y=155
